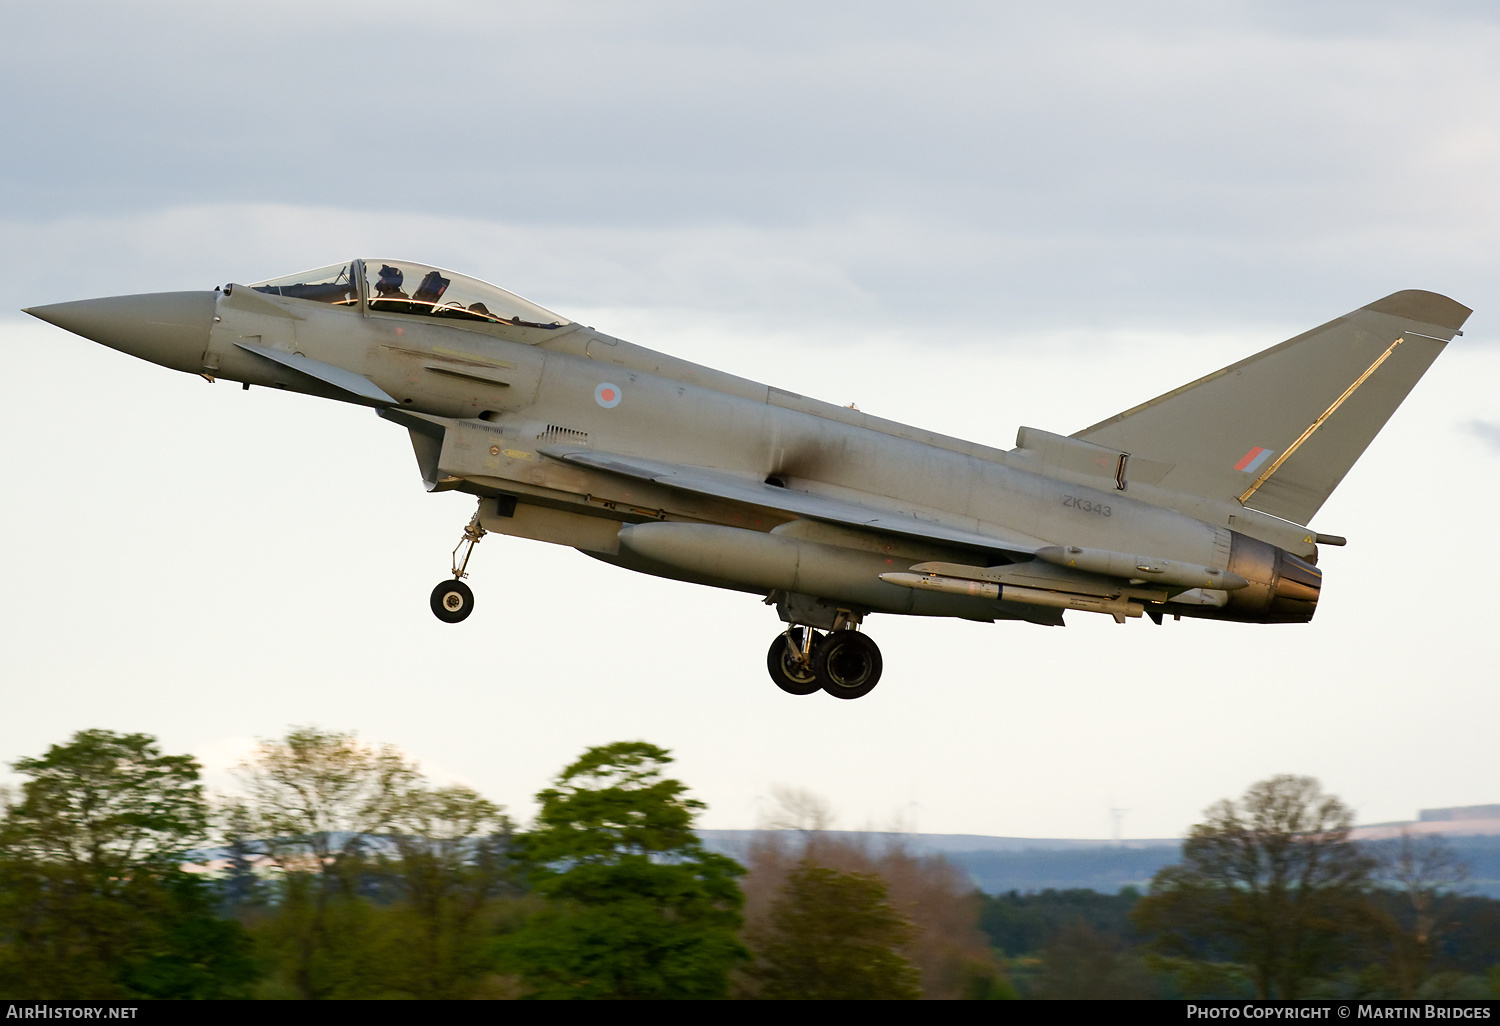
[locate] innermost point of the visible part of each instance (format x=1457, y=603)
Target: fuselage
x=491, y=402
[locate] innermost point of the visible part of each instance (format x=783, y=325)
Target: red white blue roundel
x=607, y=395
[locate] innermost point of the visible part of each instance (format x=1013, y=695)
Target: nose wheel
x=453, y=601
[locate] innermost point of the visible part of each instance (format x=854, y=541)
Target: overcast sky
x=963, y=216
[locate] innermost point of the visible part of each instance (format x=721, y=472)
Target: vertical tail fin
x=1278, y=431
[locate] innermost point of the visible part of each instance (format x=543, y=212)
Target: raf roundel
x=607, y=395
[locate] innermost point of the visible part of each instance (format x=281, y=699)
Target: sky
x=964, y=216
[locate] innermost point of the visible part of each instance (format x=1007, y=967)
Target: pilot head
x=390, y=281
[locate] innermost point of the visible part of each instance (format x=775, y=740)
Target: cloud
x=963, y=168
x=875, y=276
x=1086, y=120
x=1487, y=432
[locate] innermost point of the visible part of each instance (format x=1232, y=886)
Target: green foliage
x=108, y=802
x=192, y=953
x=1470, y=940
x=93, y=902
x=613, y=801
x=1080, y=963
x=312, y=800
x=1271, y=883
x=1021, y=924
x=452, y=866
x=637, y=907
x=384, y=887
x=1408, y=918
x=349, y=876
x=1201, y=978
x=1462, y=931
x=833, y=936
x=984, y=982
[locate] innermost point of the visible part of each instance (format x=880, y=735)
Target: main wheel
x=786, y=670
x=848, y=664
x=452, y=601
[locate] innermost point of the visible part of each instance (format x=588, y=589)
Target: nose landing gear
x=453, y=601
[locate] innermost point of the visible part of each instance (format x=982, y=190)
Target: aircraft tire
x=452, y=601
x=848, y=663
x=788, y=674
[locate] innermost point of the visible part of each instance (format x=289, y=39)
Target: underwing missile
x=1116, y=607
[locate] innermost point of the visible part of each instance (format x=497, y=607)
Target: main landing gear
x=453, y=601
x=790, y=660
x=844, y=663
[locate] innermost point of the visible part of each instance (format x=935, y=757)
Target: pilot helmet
x=390, y=280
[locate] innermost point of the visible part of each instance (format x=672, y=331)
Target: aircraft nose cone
x=169, y=328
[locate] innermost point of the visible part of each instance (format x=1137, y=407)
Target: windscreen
x=333, y=284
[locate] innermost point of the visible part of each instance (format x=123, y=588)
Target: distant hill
x=1000, y=864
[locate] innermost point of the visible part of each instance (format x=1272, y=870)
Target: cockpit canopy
x=406, y=287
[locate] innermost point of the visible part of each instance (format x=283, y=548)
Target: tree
x=312, y=804
x=314, y=798
x=1271, y=882
x=834, y=936
x=453, y=855
x=384, y=886
x=952, y=956
x=1080, y=963
x=1422, y=879
x=637, y=907
x=94, y=902
x=108, y=802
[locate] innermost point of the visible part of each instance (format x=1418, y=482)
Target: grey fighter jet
x=1193, y=504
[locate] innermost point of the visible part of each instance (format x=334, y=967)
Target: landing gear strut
x=790, y=660
x=453, y=601
x=843, y=662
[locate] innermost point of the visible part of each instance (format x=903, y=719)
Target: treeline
x=1271, y=899
x=1084, y=944
x=339, y=871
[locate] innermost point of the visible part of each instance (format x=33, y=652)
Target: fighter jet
x=1193, y=504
